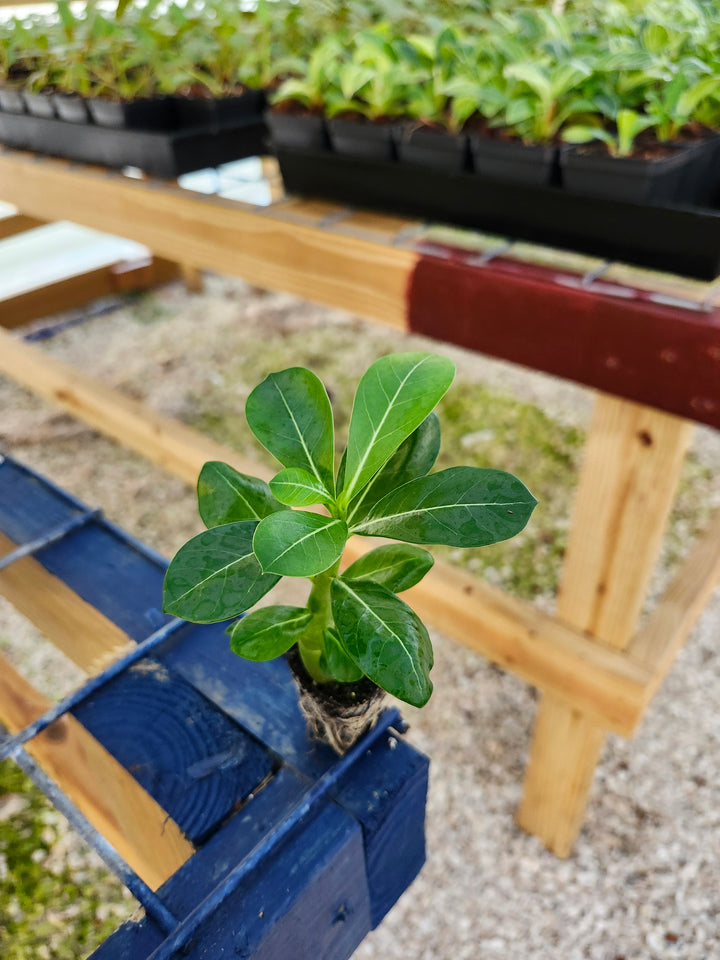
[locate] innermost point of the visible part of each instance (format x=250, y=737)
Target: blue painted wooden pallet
x=299, y=853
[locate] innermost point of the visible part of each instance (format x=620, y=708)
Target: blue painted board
x=29, y=507
x=307, y=901
x=263, y=699
x=190, y=756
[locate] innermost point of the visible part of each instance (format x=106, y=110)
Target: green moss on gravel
x=55, y=904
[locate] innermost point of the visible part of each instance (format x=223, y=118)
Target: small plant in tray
x=355, y=637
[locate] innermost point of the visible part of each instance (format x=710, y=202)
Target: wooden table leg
x=633, y=460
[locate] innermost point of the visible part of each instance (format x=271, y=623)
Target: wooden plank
x=192, y=278
x=632, y=464
x=550, y=655
x=116, y=805
x=173, y=446
x=366, y=278
x=603, y=335
x=564, y=753
x=631, y=468
x=668, y=626
x=82, y=633
x=17, y=223
x=78, y=290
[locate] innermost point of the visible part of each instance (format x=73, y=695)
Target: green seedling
x=353, y=624
x=629, y=124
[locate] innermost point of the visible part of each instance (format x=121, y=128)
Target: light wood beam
x=109, y=797
x=173, y=446
x=359, y=275
x=668, y=626
x=83, y=288
x=632, y=464
x=17, y=223
x=82, y=633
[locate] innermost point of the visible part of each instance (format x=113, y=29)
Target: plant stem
x=312, y=644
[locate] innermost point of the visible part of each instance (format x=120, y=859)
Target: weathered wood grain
x=111, y=799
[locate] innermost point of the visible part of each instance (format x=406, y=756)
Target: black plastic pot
x=362, y=138
x=70, y=107
x=679, y=239
x=157, y=152
x=700, y=184
x=297, y=131
x=232, y=109
x=514, y=161
x=594, y=173
x=429, y=147
x=146, y=113
x=39, y=104
x=11, y=100
x=194, y=111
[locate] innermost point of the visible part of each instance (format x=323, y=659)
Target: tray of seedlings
x=537, y=126
x=163, y=92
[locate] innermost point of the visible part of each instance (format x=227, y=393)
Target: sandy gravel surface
x=644, y=883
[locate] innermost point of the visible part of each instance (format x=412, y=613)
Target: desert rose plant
x=354, y=635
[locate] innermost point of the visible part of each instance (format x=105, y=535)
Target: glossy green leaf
x=226, y=496
x=397, y=566
x=290, y=414
x=413, y=458
x=385, y=638
x=393, y=398
x=216, y=575
x=299, y=544
x=298, y=488
x=269, y=632
x=460, y=507
x=335, y=662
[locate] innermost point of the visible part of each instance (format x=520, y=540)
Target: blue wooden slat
x=386, y=793
x=29, y=507
x=185, y=752
x=101, y=567
x=307, y=901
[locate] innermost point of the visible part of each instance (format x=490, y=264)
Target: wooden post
x=192, y=278
x=632, y=465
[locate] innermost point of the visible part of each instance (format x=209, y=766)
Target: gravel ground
x=644, y=882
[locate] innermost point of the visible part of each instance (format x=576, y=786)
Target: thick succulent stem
x=312, y=643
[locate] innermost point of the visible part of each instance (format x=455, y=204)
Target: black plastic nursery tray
x=678, y=239
x=162, y=154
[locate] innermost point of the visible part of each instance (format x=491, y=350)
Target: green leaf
x=413, y=458
x=298, y=488
x=269, y=632
x=290, y=414
x=385, y=638
x=299, y=544
x=393, y=398
x=226, y=496
x=216, y=575
x=335, y=662
x=460, y=507
x=396, y=566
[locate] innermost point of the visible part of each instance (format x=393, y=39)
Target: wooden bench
x=649, y=344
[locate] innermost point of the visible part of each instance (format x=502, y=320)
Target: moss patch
x=57, y=902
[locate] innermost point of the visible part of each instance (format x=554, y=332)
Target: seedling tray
x=678, y=239
x=161, y=154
